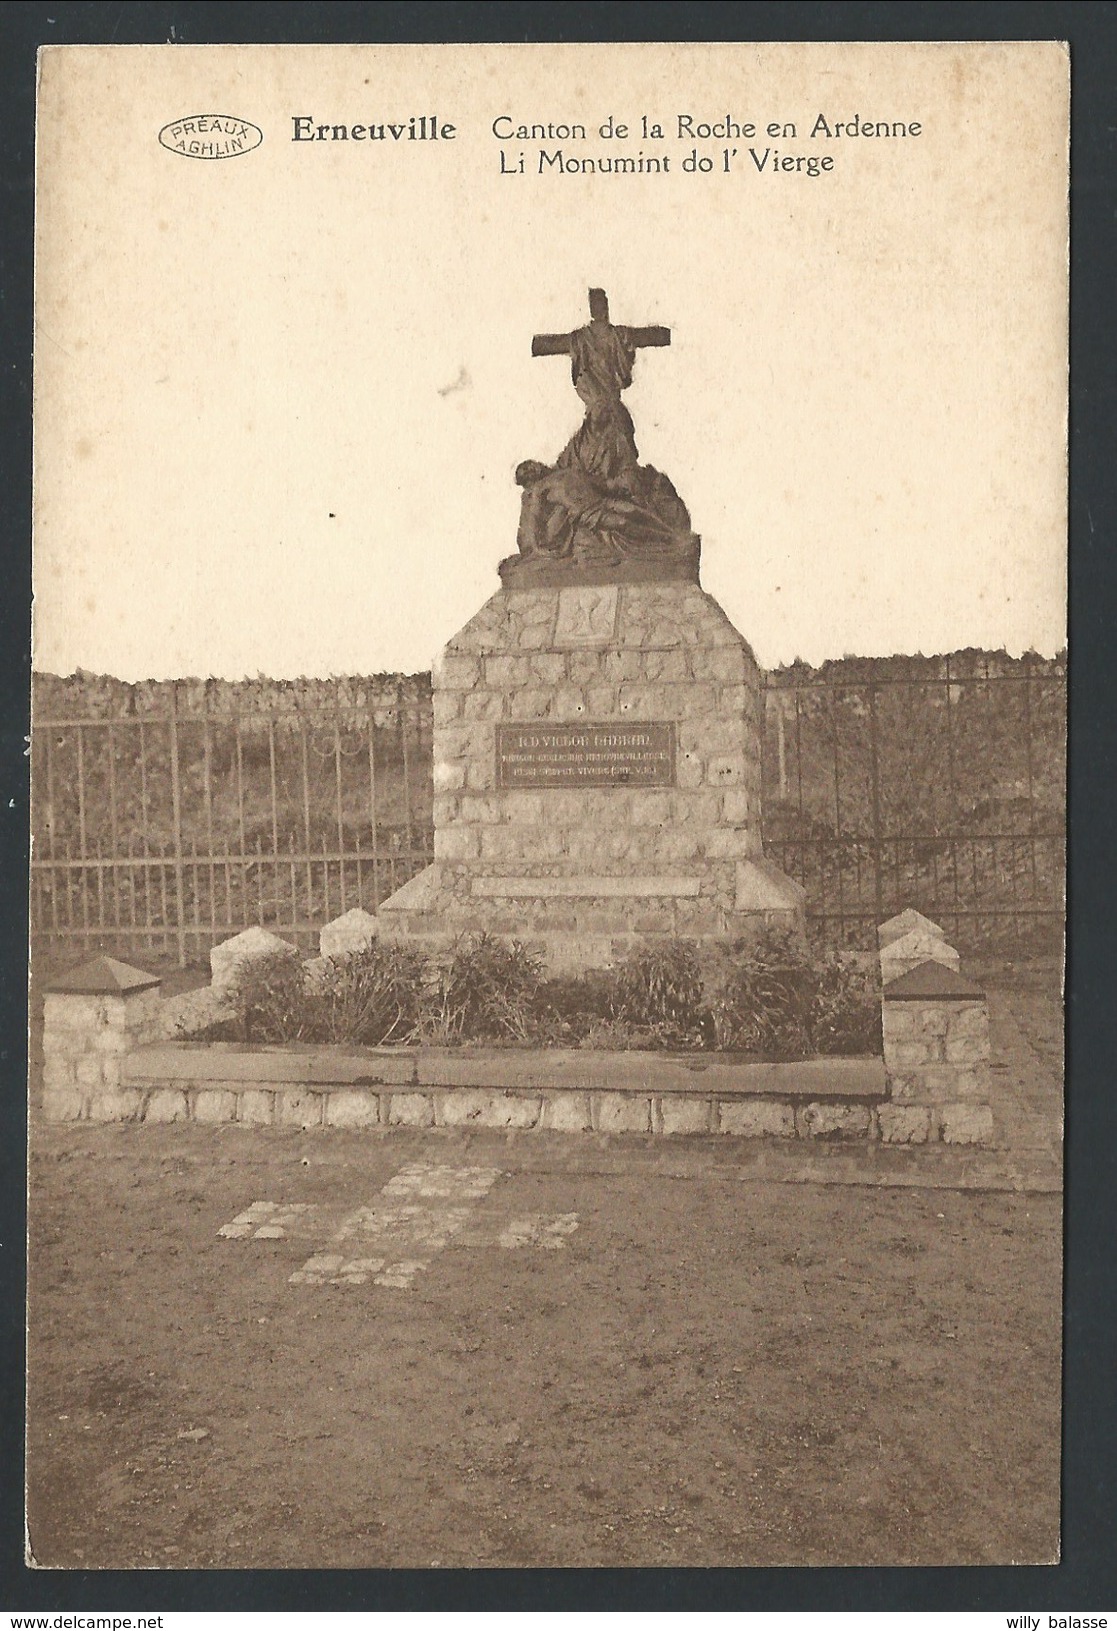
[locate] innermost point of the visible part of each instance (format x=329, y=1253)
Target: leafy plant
x=771, y=996
x=759, y=996
x=844, y=1015
x=658, y=989
x=487, y=990
x=270, y=1001
x=372, y=996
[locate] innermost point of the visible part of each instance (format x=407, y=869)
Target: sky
x=280, y=396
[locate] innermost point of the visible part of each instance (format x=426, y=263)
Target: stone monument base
x=577, y=923
x=596, y=778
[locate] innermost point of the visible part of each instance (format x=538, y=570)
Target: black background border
x=1086, y=1580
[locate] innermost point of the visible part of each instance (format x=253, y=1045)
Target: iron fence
x=940, y=786
x=901, y=782
x=167, y=832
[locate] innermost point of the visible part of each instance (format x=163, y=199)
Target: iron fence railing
x=939, y=786
x=169, y=832
x=942, y=789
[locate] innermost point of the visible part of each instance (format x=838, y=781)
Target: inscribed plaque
x=616, y=755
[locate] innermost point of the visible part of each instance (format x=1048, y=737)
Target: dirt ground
x=703, y=1366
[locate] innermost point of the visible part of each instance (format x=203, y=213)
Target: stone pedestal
x=597, y=777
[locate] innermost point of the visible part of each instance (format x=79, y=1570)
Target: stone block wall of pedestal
x=585, y=870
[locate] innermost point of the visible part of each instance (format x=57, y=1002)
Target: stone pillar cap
x=103, y=977
x=907, y=922
x=932, y=982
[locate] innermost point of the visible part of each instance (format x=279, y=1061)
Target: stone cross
x=425, y=1207
x=558, y=345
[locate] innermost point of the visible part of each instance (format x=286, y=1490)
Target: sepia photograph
x=548, y=806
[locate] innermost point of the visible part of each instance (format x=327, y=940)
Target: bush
x=372, y=996
x=770, y=997
x=269, y=999
x=368, y=997
x=760, y=996
x=658, y=992
x=487, y=991
x=844, y=1014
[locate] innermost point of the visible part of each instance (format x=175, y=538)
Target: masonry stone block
x=88, y=1071
x=622, y=666
x=618, y=1113
x=567, y=1112
x=736, y=807
x=411, y=1110
x=452, y=672
x=909, y=1054
x=256, y=1106
x=165, y=1104
x=684, y=1115
x=939, y=1083
x=296, y=1107
x=449, y=775
x=353, y=1108
x=446, y=706
x=457, y=843
x=532, y=702
x=478, y=1107
x=900, y=1021
x=63, y=1012
x=480, y=776
x=966, y=1123
x=833, y=1121
x=933, y=1018
x=669, y=666
x=64, y=1104
x=690, y=768
x=485, y=705
x=58, y=1071
x=232, y=957
x=966, y=1050
x=116, y=1104
x=355, y=930
x=475, y=807
x=215, y=1104
x=549, y=668
x=903, y=1087
x=111, y=1039
x=756, y=1118
x=904, y=1124
x=969, y=1019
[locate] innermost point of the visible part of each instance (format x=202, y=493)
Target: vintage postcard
x=548, y=806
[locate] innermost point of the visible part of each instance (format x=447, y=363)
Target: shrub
x=657, y=991
x=371, y=996
x=568, y=1007
x=486, y=991
x=844, y=1014
x=269, y=1001
x=368, y=997
x=770, y=996
x=759, y=996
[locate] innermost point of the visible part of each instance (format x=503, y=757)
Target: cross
x=421, y=1210
x=558, y=345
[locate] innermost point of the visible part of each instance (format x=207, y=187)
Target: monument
x=597, y=724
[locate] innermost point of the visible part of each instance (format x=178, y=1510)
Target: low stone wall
x=559, y=1091
x=105, y=1059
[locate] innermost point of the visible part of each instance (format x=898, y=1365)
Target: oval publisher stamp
x=210, y=136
